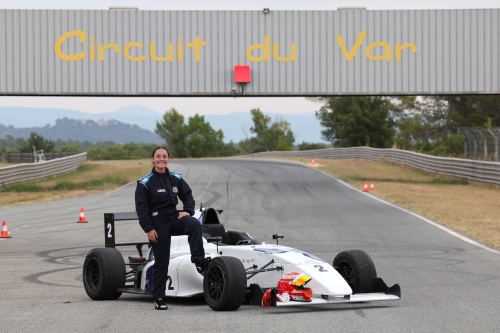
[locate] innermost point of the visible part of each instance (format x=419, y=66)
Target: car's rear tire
x=103, y=273
x=357, y=268
x=225, y=284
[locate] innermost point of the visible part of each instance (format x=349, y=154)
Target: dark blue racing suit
x=155, y=203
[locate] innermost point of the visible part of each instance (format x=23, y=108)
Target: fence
x=32, y=171
x=481, y=143
x=30, y=157
x=479, y=171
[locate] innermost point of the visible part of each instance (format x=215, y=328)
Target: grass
x=469, y=208
x=93, y=177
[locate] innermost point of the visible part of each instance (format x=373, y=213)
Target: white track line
x=437, y=225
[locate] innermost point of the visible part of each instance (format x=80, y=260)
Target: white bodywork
x=185, y=281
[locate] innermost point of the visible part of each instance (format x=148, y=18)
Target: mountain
x=21, y=117
x=236, y=126
x=86, y=130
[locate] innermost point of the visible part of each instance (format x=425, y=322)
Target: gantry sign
x=256, y=53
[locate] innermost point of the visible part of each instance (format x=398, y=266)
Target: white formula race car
x=242, y=271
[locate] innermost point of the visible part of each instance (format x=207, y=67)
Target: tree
x=356, y=121
x=196, y=139
x=271, y=136
x=131, y=147
x=171, y=129
x=201, y=139
x=39, y=142
x=249, y=145
x=69, y=148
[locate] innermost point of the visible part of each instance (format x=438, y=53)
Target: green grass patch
x=21, y=187
x=90, y=184
x=433, y=181
x=84, y=167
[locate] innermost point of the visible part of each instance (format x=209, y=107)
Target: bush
x=311, y=146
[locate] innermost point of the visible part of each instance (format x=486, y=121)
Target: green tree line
x=426, y=124
x=105, y=150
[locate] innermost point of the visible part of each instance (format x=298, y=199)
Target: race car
x=243, y=270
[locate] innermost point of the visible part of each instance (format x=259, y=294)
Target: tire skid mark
x=50, y=257
x=35, y=278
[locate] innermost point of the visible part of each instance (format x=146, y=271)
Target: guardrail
x=33, y=171
x=479, y=171
x=30, y=158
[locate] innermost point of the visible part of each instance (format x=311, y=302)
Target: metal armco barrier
x=33, y=171
x=479, y=171
x=29, y=157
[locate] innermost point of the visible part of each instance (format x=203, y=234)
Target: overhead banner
x=288, y=53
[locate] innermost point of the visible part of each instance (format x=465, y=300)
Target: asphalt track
x=448, y=284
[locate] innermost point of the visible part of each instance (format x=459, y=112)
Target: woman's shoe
x=160, y=304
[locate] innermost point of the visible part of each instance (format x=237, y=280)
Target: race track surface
x=448, y=285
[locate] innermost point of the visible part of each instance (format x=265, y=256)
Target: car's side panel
x=190, y=282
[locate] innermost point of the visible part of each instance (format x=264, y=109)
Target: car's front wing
x=350, y=299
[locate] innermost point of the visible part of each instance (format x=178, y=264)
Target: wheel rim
x=216, y=282
x=93, y=275
x=345, y=269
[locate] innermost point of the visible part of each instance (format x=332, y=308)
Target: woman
x=155, y=203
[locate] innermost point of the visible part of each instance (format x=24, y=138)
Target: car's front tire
x=103, y=273
x=225, y=284
x=357, y=268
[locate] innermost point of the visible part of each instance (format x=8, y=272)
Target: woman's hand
x=152, y=235
x=182, y=214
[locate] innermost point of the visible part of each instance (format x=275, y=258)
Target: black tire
x=103, y=273
x=357, y=268
x=225, y=284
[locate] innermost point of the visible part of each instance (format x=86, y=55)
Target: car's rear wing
x=109, y=228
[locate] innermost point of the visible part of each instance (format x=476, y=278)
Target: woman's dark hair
x=159, y=147
x=168, y=171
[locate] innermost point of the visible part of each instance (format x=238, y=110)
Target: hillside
x=236, y=126
x=86, y=130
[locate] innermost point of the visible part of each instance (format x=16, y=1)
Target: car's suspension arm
x=263, y=269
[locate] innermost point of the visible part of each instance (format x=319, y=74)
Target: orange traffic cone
x=82, y=217
x=312, y=162
x=5, y=233
x=372, y=186
x=365, y=187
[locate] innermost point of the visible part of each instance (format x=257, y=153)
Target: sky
x=213, y=106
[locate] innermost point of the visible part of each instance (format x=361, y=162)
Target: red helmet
x=293, y=284
x=290, y=287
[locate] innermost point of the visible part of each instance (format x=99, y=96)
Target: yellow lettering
x=400, y=47
x=196, y=45
x=292, y=57
x=103, y=48
x=266, y=48
x=351, y=54
x=168, y=57
x=92, y=50
x=386, y=55
x=180, y=53
x=59, y=42
x=126, y=52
